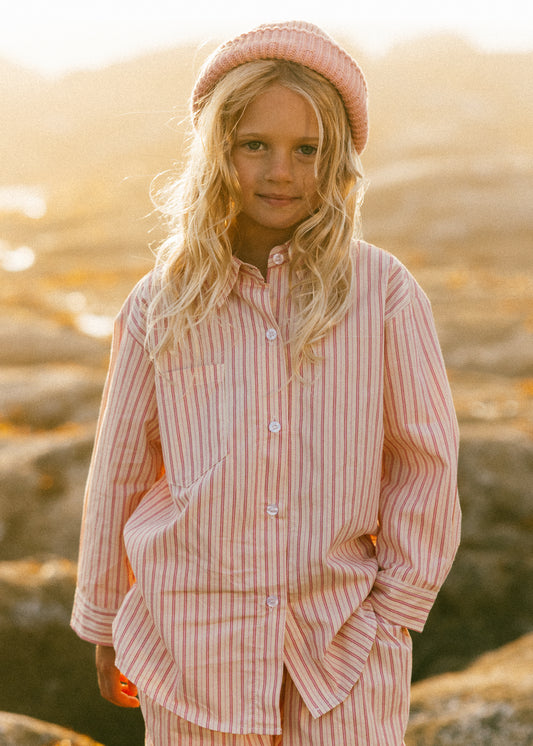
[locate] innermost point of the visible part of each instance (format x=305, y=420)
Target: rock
x=477, y=607
x=479, y=202
x=509, y=353
x=46, y=396
x=28, y=339
x=495, y=471
x=21, y=730
x=47, y=671
x=488, y=703
x=42, y=478
x=492, y=404
x=47, y=423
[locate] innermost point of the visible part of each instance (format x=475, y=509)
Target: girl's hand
x=113, y=685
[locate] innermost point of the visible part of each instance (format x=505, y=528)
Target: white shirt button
x=271, y=334
x=272, y=601
x=274, y=427
x=278, y=258
x=272, y=510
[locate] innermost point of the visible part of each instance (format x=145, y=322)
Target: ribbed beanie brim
x=295, y=41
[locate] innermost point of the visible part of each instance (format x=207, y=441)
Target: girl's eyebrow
x=264, y=136
x=244, y=133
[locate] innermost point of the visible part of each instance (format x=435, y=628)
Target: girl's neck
x=254, y=247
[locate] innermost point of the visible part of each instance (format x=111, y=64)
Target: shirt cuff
x=92, y=623
x=401, y=603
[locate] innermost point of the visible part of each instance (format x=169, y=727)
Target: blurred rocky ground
x=21, y=730
x=47, y=672
x=488, y=704
x=450, y=163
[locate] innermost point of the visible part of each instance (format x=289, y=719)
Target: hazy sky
x=58, y=35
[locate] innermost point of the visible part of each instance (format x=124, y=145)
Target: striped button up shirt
x=239, y=519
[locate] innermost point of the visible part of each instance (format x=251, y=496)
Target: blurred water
x=26, y=200
x=94, y=325
x=30, y=202
x=91, y=324
x=15, y=259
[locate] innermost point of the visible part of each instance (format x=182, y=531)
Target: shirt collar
x=279, y=255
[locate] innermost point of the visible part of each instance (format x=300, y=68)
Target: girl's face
x=274, y=155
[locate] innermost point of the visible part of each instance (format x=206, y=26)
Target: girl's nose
x=279, y=167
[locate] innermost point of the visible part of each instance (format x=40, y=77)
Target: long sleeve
x=126, y=462
x=419, y=510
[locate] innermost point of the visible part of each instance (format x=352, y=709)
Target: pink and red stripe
x=207, y=596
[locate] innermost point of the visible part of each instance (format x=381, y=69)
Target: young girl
x=272, y=497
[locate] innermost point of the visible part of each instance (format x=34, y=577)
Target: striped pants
x=375, y=713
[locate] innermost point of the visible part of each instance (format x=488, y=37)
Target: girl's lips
x=278, y=200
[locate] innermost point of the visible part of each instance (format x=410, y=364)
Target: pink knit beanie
x=296, y=41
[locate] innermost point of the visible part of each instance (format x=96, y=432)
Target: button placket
x=274, y=528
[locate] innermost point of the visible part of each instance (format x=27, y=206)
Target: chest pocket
x=193, y=421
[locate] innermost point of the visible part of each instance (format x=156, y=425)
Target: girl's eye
x=253, y=145
x=307, y=149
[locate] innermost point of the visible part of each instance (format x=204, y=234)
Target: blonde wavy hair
x=194, y=262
